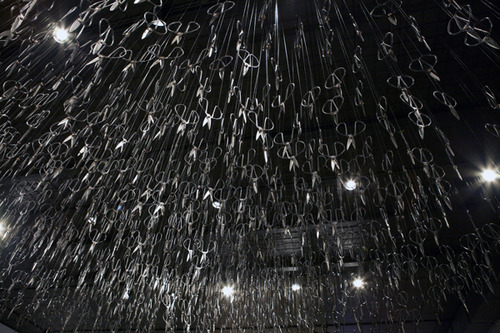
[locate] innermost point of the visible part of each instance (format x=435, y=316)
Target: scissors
x=175, y=28
x=344, y=130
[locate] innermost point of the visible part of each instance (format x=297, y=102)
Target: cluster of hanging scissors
x=150, y=160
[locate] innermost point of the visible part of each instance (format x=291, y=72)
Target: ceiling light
x=489, y=175
x=60, y=35
x=295, y=287
x=228, y=291
x=350, y=185
x=358, y=283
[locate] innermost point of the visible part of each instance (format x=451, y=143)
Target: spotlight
x=295, y=287
x=350, y=185
x=228, y=291
x=489, y=175
x=358, y=283
x=60, y=35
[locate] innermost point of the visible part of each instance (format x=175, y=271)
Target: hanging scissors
x=344, y=130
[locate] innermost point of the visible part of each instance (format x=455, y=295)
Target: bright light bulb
x=489, y=175
x=228, y=291
x=358, y=283
x=350, y=185
x=60, y=35
x=295, y=287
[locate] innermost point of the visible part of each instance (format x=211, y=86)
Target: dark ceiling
x=170, y=148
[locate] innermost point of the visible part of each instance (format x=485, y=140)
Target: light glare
x=60, y=35
x=295, y=287
x=489, y=175
x=350, y=185
x=158, y=23
x=228, y=291
x=358, y=283
x=3, y=231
